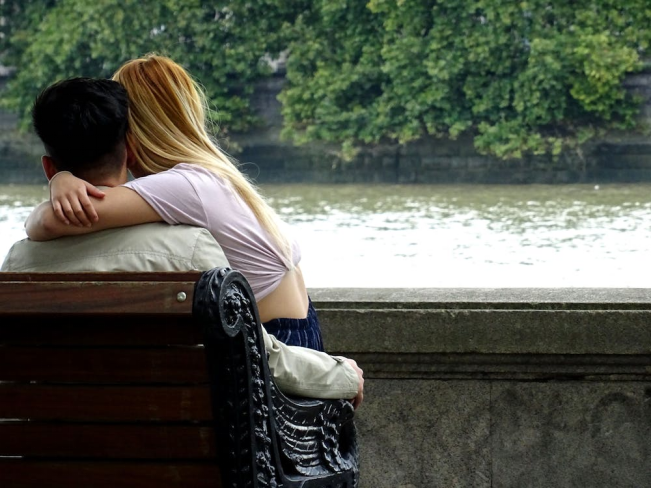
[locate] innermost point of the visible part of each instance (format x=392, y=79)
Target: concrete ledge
x=477, y=298
x=487, y=321
x=498, y=387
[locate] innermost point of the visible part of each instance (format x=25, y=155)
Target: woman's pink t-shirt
x=190, y=194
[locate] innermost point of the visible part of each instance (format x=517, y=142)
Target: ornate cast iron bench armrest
x=268, y=438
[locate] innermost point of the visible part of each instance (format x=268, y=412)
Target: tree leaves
x=221, y=43
x=528, y=77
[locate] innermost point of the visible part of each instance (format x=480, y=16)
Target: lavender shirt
x=190, y=194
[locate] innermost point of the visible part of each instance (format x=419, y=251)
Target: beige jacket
x=161, y=247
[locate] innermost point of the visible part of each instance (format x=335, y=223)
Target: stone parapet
x=498, y=387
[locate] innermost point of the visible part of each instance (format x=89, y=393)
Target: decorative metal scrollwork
x=265, y=438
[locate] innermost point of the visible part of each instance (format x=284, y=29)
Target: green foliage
x=337, y=51
x=220, y=43
x=525, y=77
x=529, y=77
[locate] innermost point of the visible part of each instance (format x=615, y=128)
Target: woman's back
x=190, y=194
x=168, y=130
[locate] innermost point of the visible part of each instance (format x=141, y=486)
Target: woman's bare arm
x=120, y=207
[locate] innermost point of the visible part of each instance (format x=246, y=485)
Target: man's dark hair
x=82, y=123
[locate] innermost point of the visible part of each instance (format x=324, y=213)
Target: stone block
x=571, y=434
x=424, y=433
x=488, y=331
x=476, y=162
x=626, y=161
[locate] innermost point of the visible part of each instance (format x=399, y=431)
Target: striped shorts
x=298, y=332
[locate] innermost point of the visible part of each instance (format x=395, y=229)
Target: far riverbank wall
x=267, y=158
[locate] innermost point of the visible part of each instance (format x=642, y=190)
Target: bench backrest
x=104, y=381
x=123, y=379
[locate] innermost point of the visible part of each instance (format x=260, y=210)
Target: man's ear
x=49, y=167
x=132, y=165
x=129, y=156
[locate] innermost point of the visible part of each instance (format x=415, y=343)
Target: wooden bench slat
x=82, y=298
x=49, y=277
x=104, y=365
x=106, y=403
x=24, y=473
x=107, y=441
x=92, y=331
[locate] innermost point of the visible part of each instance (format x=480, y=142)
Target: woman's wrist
x=49, y=184
x=59, y=173
x=56, y=175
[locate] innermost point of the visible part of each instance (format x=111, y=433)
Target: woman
x=183, y=177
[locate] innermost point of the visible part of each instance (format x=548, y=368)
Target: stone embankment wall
x=267, y=158
x=498, y=387
x=622, y=157
x=20, y=154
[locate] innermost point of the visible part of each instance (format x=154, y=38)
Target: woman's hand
x=70, y=201
x=357, y=400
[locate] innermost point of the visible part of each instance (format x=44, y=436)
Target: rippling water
x=448, y=235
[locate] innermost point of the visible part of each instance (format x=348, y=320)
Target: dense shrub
x=528, y=77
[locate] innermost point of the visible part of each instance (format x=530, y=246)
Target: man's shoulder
x=146, y=247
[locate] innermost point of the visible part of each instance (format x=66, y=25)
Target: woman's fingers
x=80, y=214
x=357, y=400
x=71, y=214
x=58, y=212
x=88, y=210
x=93, y=191
x=77, y=210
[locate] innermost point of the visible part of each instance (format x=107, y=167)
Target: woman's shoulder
x=192, y=169
x=181, y=177
x=206, y=183
x=195, y=172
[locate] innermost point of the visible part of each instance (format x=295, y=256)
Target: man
x=82, y=123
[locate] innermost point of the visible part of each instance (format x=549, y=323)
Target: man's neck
x=113, y=180
x=107, y=182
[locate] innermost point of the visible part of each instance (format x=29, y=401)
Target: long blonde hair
x=167, y=126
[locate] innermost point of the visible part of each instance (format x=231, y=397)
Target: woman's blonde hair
x=167, y=126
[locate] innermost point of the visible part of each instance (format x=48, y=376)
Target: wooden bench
x=153, y=380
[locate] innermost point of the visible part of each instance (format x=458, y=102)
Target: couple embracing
x=150, y=121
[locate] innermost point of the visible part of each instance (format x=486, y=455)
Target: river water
x=447, y=235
